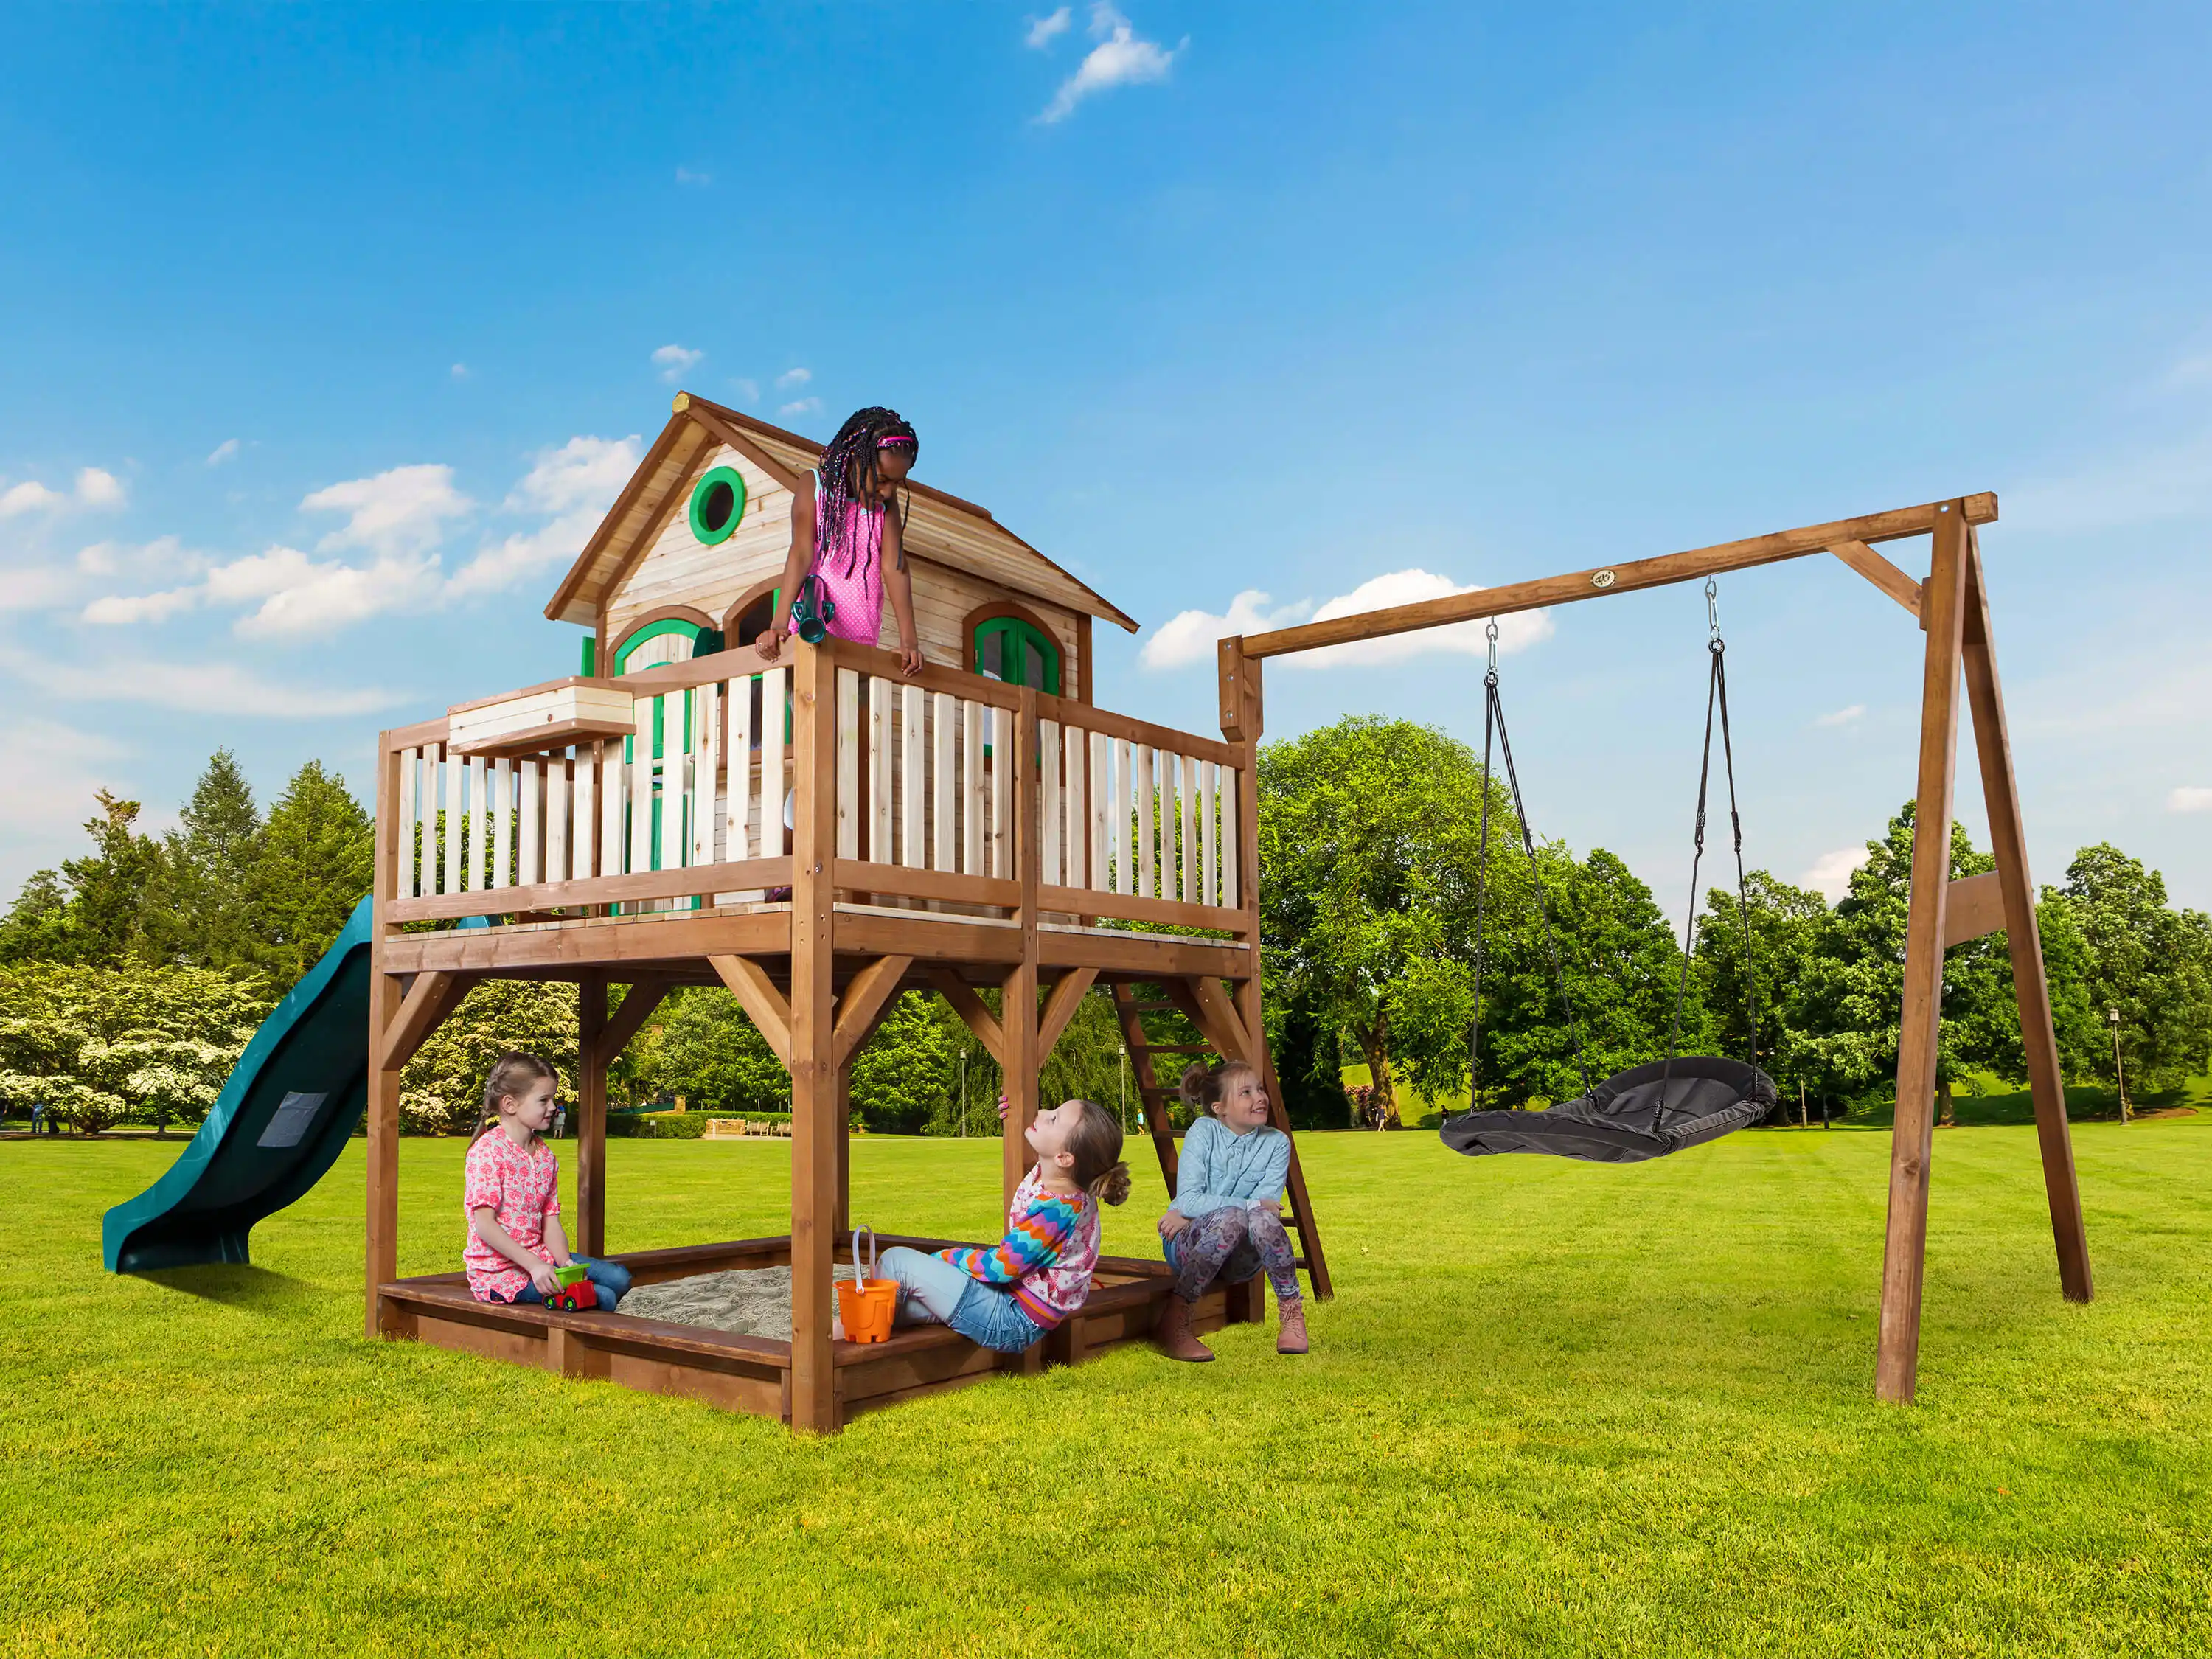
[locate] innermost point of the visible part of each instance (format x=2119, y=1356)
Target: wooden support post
x=384, y=1005
x=590, y=1115
x=816, y=1130
x=1017, y=1002
x=2031, y=990
x=1912, y=1139
x=842, y=1224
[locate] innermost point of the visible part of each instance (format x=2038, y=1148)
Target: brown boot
x=1291, y=1327
x=1177, y=1340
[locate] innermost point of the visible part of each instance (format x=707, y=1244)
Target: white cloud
x=225, y=451
x=1842, y=716
x=583, y=472
x=210, y=688
x=749, y=391
x=394, y=514
x=1516, y=632
x=459, y=371
x=800, y=406
x=50, y=775
x=127, y=610
x=675, y=359
x=686, y=176
x=2188, y=798
x=1043, y=31
x=29, y=496
x=1119, y=59
x=793, y=377
x=1188, y=636
x=1832, y=872
x=95, y=488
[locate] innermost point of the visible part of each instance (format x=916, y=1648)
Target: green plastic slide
x=281, y=1122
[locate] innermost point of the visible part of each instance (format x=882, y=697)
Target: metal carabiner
x=1713, y=609
x=1491, y=632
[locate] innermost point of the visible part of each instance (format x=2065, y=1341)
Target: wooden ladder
x=1159, y=1095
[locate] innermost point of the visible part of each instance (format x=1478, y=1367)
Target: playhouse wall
x=678, y=570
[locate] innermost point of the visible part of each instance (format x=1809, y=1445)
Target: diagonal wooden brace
x=970, y=1007
x=763, y=1004
x=627, y=1021
x=1883, y=574
x=1067, y=994
x=429, y=1001
x=861, y=1009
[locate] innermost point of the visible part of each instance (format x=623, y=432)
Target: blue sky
x=325, y=333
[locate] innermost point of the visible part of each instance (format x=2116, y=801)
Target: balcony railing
x=1135, y=822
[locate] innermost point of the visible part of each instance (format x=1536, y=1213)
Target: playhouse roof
x=940, y=527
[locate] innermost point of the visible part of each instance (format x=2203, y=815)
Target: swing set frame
x=1953, y=607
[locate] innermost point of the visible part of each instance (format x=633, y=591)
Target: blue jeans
x=610, y=1280
x=933, y=1292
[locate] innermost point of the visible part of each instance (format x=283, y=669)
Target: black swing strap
x=1716, y=697
x=1493, y=717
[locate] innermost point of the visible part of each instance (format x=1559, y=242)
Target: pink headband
x=886, y=443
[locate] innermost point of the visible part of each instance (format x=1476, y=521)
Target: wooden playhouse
x=636, y=826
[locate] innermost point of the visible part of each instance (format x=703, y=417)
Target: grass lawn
x=1556, y=1408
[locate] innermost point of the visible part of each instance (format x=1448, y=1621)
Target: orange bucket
x=866, y=1307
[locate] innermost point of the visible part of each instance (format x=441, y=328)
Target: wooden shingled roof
x=940, y=527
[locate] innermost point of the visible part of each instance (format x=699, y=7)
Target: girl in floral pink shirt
x=510, y=1194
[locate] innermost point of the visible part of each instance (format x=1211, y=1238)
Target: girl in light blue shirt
x=1226, y=1223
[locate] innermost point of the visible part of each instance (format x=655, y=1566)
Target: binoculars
x=811, y=610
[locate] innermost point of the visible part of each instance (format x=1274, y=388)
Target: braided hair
x=852, y=461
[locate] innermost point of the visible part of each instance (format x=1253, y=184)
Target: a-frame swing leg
x=1905, y=1252
x=2032, y=991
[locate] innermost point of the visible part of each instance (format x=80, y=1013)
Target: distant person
x=1226, y=1223
x=510, y=1194
x=1006, y=1298
x=849, y=541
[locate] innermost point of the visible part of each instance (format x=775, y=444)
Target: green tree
x=709, y=1053
x=37, y=925
x=904, y=1072
x=441, y=1088
x=108, y=891
x=100, y=1044
x=1368, y=849
x=2151, y=963
x=204, y=911
x=1849, y=1003
x=318, y=857
x=1785, y=924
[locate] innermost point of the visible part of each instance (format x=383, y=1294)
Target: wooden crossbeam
x=1660, y=572
x=763, y=1004
x=866, y=998
x=1975, y=907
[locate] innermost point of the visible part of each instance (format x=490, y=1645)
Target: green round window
x=717, y=502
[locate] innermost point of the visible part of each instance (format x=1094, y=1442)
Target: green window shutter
x=1017, y=653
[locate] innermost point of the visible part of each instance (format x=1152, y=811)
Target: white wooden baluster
x=675, y=782
x=883, y=742
x=849, y=763
x=1076, y=829
x=527, y=772
x=1233, y=836
x=556, y=816
x=706, y=811
x=913, y=785
x=1187, y=793
x=971, y=762
x=583, y=813
x=944, y=812
x=1147, y=848
x=651, y=711
x=738, y=794
x=1101, y=756
x=1004, y=760
x=771, y=768
x=454, y=769
x=614, y=780
x=1121, y=845
x=1049, y=787
x=479, y=811
x=407, y=881
x=1208, y=886
x=498, y=805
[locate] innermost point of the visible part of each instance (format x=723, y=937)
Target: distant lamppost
x=1125, y=1085
x=964, y=1090
x=2112, y=1018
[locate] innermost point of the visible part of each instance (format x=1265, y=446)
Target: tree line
x=131, y=977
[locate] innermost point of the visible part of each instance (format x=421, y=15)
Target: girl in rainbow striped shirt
x=1007, y=1297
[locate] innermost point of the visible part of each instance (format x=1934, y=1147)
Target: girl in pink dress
x=848, y=538
x=510, y=1194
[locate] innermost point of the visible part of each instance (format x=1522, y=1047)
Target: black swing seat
x=1621, y=1121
